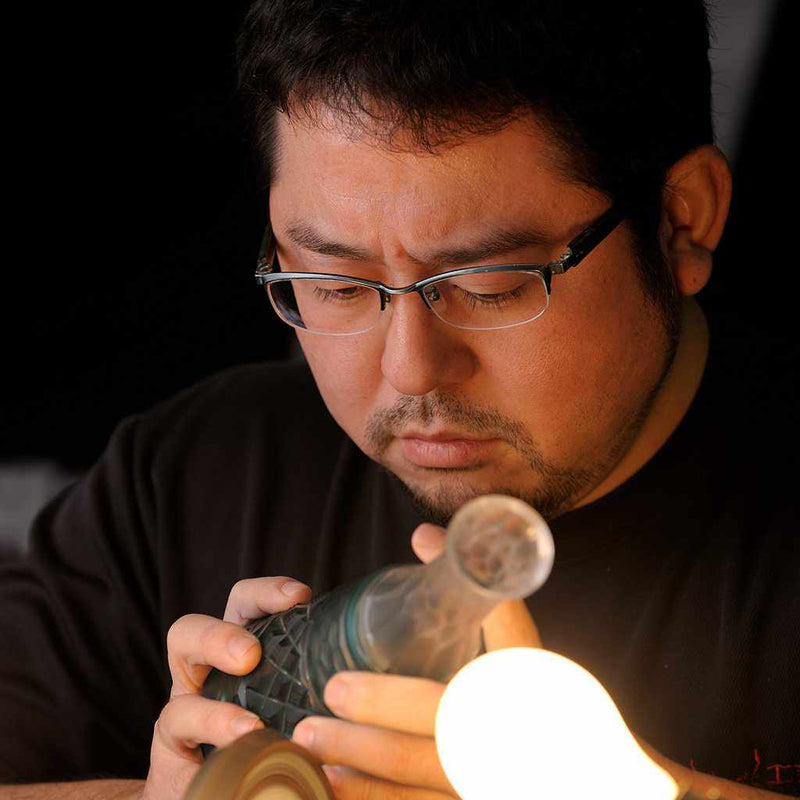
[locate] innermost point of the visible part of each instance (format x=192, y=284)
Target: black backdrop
x=140, y=225
x=134, y=223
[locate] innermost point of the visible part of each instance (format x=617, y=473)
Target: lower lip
x=447, y=452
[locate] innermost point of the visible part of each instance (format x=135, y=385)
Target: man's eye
x=492, y=290
x=494, y=299
x=340, y=294
x=491, y=284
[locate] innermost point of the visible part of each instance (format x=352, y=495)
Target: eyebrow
x=496, y=242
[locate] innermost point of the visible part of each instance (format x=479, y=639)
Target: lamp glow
x=555, y=733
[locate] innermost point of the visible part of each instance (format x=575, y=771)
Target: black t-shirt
x=679, y=590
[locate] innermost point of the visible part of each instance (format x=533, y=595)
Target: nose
x=421, y=353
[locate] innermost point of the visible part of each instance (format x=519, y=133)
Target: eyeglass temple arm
x=587, y=240
x=266, y=253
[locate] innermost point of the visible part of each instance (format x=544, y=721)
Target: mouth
x=446, y=449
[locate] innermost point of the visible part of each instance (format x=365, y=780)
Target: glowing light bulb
x=555, y=734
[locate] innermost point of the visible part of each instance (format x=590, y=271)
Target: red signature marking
x=783, y=774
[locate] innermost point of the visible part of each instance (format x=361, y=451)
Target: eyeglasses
x=474, y=298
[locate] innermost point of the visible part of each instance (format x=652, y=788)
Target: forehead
x=327, y=169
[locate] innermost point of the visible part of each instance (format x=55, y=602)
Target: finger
x=389, y=755
x=428, y=541
x=195, y=643
x=349, y=784
x=387, y=701
x=510, y=625
x=190, y=719
x=254, y=597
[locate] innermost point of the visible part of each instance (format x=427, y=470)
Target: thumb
x=510, y=625
x=428, y=542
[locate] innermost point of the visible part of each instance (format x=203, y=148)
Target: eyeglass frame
x=576, y=250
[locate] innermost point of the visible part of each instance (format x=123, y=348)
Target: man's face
x=543, y=410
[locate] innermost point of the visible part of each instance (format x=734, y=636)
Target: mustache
x=386, y=423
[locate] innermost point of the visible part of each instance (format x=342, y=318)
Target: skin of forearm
x=79, y=790
x=693, y=786
x=699, y=786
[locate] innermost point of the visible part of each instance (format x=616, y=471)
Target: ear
x=697, y=196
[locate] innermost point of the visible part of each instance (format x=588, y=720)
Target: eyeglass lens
x=481, y=301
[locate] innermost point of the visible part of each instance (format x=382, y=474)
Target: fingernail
x=333, y=774
x=242, y=725
x=293, y=588
x=335, y=692
x=304, y=735
x=240, y=645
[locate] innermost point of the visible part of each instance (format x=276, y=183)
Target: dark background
x=141, y=224
x=135, y=222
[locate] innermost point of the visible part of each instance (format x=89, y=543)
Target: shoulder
x=244, y=419
x=742, y=467
x=267, y=387
x=266, y=400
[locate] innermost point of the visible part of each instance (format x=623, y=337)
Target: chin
x=439, y=499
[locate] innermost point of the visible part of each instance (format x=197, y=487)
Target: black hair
x=624, y=86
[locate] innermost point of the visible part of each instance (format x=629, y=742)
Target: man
x=568, y=147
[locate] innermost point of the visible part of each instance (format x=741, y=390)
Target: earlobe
x=696, y=202
x=691, y=264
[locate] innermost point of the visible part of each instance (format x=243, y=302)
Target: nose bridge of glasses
x=387, y=292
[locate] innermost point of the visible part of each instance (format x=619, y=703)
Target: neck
x=670, y=405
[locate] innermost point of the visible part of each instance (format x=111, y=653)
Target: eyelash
x=334, y=294
x=497, y=300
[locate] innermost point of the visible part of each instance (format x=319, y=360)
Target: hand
x=381, y=747
x=195, y=643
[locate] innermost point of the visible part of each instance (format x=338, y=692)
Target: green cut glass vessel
x=422, y=620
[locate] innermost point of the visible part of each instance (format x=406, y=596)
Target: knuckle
x=178, y=630
x=238, y=588
x=209, y=638
x=402, y=759
x=156, y=731
x=213, y=640
x=218, y=716
x=210, y=718
x=249, y=595
x=163, y=725
x=215, y=718
x=250, y=586
x=188, y=719
x=251, y=598
x=175, y=630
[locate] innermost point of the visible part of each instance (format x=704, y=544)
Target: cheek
x=576, y=375
x=615, y=358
